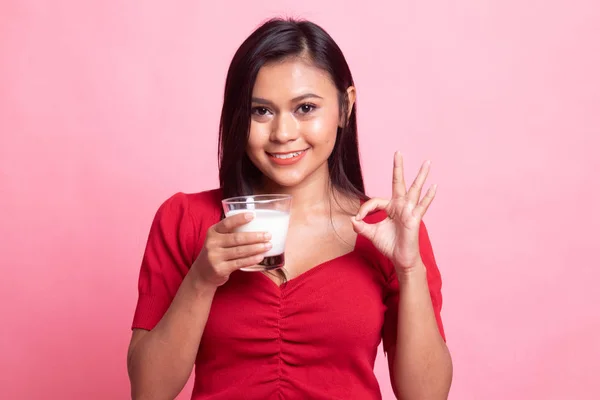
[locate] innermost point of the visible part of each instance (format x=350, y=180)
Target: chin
x=286, y=181
x=286, y=177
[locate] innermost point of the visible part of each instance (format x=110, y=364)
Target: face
x=294, y=121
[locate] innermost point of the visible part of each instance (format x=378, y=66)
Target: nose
x=285, y=129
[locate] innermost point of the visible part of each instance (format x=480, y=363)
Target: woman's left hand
x=397, y=236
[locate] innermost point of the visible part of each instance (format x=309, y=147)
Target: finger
x=244, y=238
x=249, y=250
x=414, y=193
x=371, y=205
x=398, y=185
x=236, y=264
x=363, y=228
x=228, y=224
x=423, y=206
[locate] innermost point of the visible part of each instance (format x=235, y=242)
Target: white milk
x=273, y=221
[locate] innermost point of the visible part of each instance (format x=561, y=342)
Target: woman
x=357, y=270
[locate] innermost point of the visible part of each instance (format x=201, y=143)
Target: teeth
x=289, y=155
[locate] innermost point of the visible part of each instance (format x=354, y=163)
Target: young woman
x=357, y=270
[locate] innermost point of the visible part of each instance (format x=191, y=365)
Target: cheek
x=322, y=131
x=259, y=135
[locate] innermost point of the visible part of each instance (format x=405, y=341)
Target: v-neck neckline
x=294, y=281
x=291, y=282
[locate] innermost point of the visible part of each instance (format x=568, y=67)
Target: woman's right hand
x=226, y=251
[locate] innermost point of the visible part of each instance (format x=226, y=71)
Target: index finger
x=398, y=185
x=228, y=224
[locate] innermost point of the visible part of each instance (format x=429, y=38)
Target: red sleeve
x=167, y=259
x=434, y=280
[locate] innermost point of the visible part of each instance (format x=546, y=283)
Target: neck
x=312, y=195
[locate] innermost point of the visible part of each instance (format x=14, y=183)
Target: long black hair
x=275, y=40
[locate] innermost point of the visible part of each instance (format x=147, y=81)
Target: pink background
x=109, y=107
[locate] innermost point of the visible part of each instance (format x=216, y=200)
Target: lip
x=287, y=161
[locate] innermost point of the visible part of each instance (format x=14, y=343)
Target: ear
x=351, y=98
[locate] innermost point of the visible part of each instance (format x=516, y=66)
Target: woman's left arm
x=421, y=368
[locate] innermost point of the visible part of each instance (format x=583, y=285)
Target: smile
x=287, y=158
x=287, y=155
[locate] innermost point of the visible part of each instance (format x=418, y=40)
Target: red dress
x=315, y=337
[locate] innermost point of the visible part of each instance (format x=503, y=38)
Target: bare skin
x=281, y=124
x=421, y=365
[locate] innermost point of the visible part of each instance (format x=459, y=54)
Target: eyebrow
x=305, y=96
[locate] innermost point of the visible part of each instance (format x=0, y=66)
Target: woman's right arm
x=160, y=361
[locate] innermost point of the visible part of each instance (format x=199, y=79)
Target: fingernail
x=268, y=245
x=267, y=236
x=249, y=216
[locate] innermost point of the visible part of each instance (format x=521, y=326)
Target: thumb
x=363, y=228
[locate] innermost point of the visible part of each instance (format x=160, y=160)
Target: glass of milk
x=271, y=214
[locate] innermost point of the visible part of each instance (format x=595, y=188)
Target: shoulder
x=190, y=210
x=200, y=204
x=206, y=203
x=182, y=220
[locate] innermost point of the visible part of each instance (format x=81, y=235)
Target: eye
x=260, y=111
x=306, y=108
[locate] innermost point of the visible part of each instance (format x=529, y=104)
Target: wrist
x=418, y=271
x=199, y=284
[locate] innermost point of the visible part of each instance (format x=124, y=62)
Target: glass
x=271, y=214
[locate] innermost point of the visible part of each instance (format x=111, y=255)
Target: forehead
x=292, y=77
